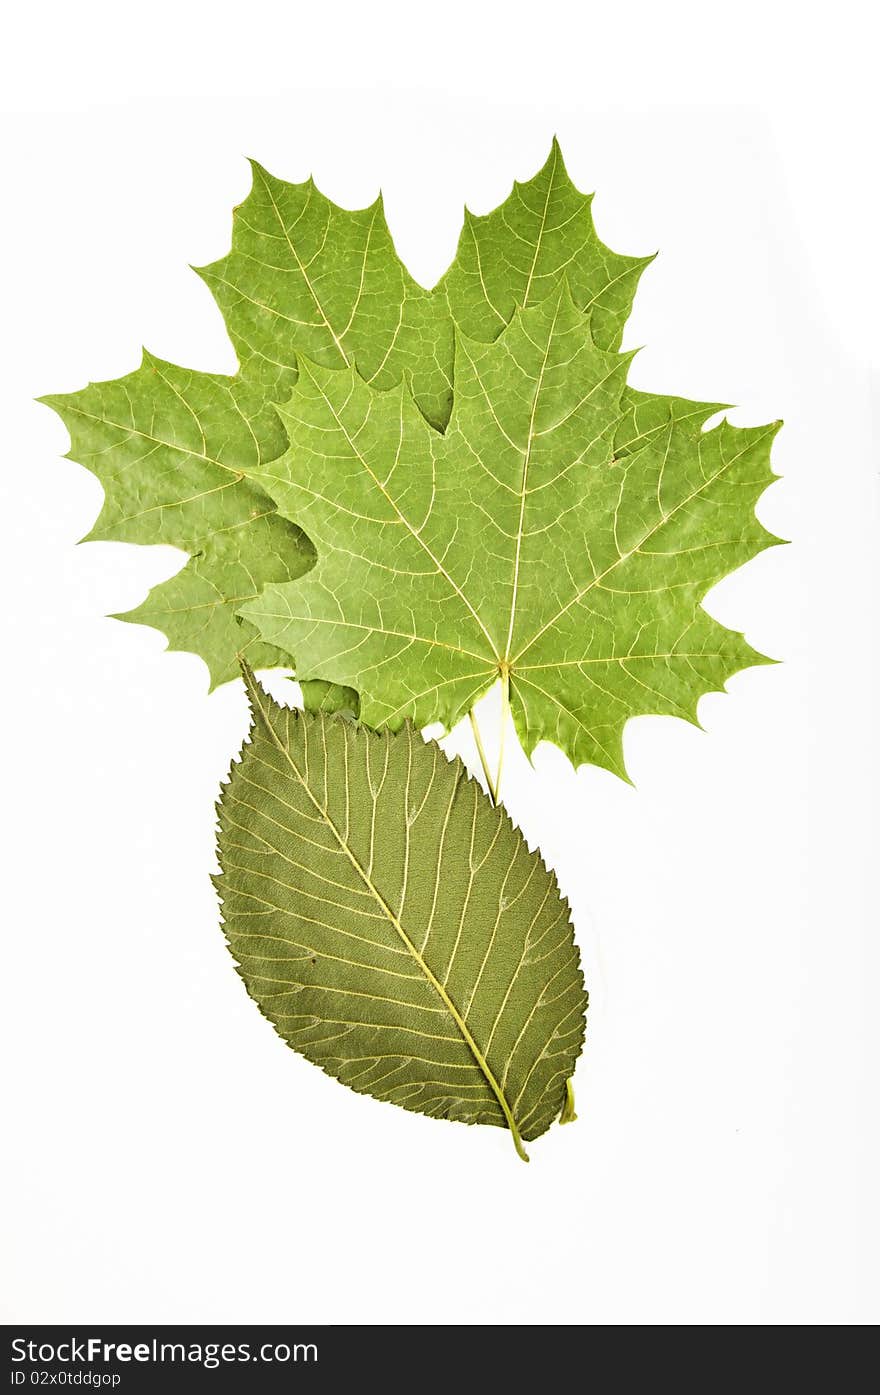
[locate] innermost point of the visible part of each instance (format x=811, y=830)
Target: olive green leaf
x=518, y=545
x=394, y=926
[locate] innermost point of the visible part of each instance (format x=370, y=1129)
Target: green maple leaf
x=394, y=926
x=560, y=535
x=170, y=445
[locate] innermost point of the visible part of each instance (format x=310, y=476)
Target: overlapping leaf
x=305, y=276
x=515, y=257
x=171, y=448
x=522, y=543
x=408, y=495
x=394, y=926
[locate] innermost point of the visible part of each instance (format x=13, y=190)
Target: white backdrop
x=168, y=1158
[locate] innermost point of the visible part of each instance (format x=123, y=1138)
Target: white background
x=167, y=1157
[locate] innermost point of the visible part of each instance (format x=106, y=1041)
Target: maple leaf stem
x=505, y=714
x=481, y=752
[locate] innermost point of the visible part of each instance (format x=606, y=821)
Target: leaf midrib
x=524, y=478
x=540, y=237
x=157, y=440
x=304, y=273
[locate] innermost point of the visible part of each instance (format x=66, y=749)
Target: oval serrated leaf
x=394, y=926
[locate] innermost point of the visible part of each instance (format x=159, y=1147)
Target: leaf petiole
x=505, y=714
x=481, y=752
x=494, y=786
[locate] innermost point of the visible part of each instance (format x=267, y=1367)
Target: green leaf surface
x=197, y=607
x=515, y=257
x=171, y=448
x=519, y=544
x=330, y=697
x=181, y=453
x=306, y=276
x=394, y=926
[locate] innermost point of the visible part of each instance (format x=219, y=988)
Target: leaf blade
x=305, y=276
x=560, y=535
x=389, y=867
x=171, y=448
x=515, y=256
